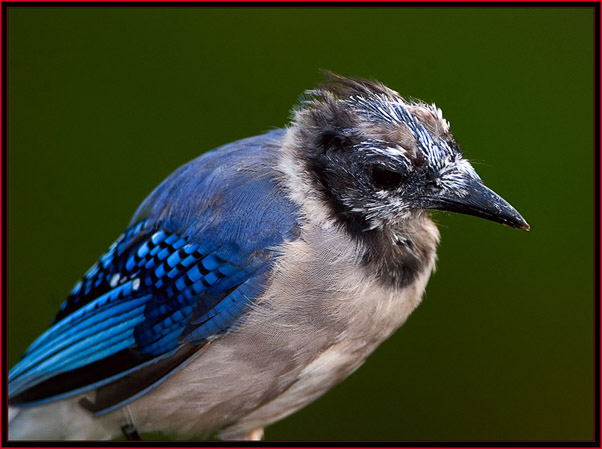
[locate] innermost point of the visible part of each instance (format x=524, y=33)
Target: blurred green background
x=105, y=103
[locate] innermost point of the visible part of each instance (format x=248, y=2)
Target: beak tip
x=518, y=222
x=522, y=224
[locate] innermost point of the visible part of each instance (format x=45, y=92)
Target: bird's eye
x=386, y=179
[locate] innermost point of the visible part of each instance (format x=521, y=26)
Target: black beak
x=474, y=198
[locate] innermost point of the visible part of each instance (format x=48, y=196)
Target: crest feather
x=344, y=87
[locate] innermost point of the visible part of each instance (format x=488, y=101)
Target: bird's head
x=379, y=160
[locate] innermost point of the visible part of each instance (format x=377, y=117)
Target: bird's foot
x=130, y=432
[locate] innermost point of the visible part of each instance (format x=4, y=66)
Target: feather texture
x=171, y=280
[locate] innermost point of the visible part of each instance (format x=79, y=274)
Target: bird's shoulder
x=234, y=189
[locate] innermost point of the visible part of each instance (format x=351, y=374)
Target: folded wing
x=199, y=252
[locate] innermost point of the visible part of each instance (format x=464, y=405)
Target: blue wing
x=199, y=250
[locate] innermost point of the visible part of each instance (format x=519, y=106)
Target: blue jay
x=255, y=277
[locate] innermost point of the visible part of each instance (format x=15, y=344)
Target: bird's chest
x=321, y=317
x=323, y=307
x=321, y=289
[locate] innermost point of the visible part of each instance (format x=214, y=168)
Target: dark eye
x=386, y=179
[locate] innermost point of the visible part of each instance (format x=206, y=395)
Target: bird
x=255, y=277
